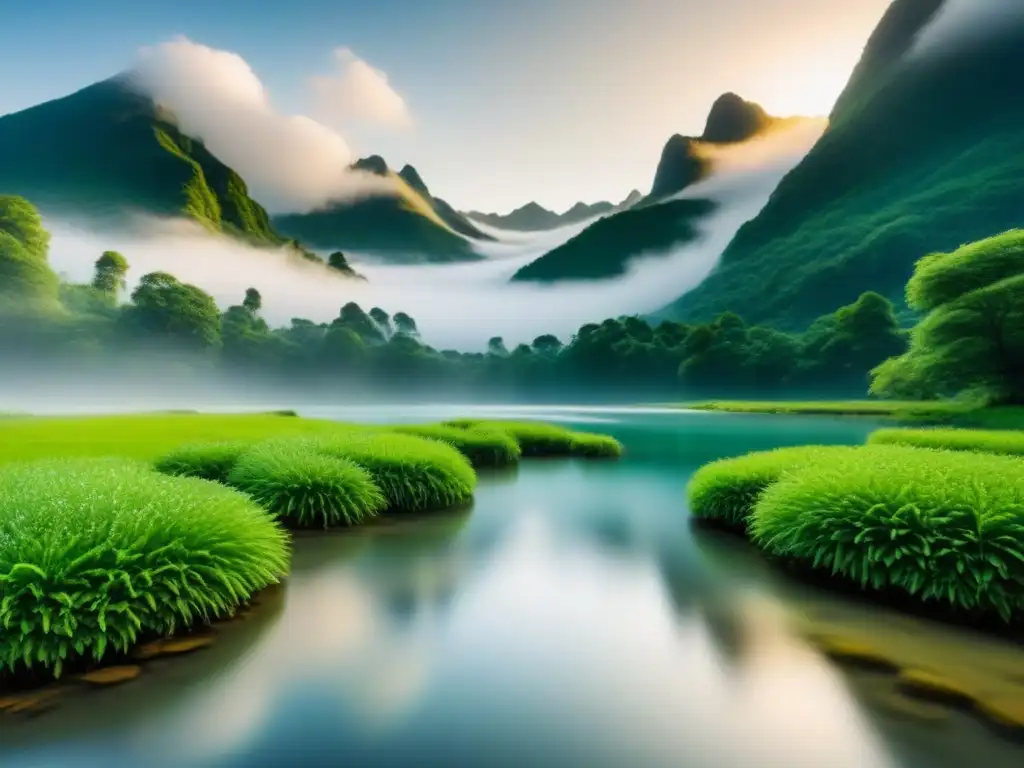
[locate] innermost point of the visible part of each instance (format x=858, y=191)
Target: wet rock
x=933, y=686
x=172, y=647
x=29, y=702
x=112, y=675
x=1004, y=711
x=852, y=653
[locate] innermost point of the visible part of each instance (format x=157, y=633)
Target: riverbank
x=949, y=413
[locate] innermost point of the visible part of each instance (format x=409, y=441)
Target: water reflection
x=572, y=617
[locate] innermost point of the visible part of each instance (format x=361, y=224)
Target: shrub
x=483, y=447
x=209, y=461
x=985, y=441
x=935, y=525
x=414, y=474
x=305, y=489
x=725, y=491
x=98, y=554
x=594, y=446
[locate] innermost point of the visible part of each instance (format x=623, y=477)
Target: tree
x=181, y=313
x=253, y=301
x=338, y=262
x=383, y=321
x=547, y=344
x=109, y=273
x=25, y=274
x=496, y=346
x=20, y=219
x=405, y=324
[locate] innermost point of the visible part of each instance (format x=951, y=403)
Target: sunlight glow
x=807, y=87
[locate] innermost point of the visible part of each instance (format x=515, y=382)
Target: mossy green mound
x=209, y=461
x=97, y=554
x=726, y=491
x=483, y=447
x=414, y=474
x=935, y=525
x=985, y=441
x=537, y=439
x=305, y=489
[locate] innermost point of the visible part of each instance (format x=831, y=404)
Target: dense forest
x=48, y=320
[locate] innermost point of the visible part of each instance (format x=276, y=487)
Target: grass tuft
x=539, y=439
x=98, y=554
x=594, y=446
x=985, y=441
x=209, y=461
x=305, y=489
x=726, y=491
x=485, y=448
x=935, y=525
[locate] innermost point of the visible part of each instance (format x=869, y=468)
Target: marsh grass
x=98, y=554
x=1007, y=442
x=305, y=489
x=413, y=473
x=725, y=492
x=538, y=439
x=209, y=461
x=935, y=525
x=485, y=448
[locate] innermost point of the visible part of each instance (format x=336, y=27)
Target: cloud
x=961, y=22
x=291, y=163
x=357, y=91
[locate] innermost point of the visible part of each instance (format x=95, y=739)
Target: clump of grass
x=305, y=489
x=209, y=461
x=98, y=554
x=726, y=491
x=539, y=439
x=986, y=441
x=414, y=474
x=935, y=525
x=482, y=446
x=594, y=446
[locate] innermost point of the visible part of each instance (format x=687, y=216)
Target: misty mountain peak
x=679, y=167
x=412, y=177
x=733, y=119
x=374, y=164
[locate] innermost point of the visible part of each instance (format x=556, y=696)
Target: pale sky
x=499, y=102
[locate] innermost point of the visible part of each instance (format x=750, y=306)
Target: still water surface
x=571, y=617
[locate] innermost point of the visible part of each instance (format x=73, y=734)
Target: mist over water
x=461, y=305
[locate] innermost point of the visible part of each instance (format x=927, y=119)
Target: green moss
x=209, y=461
x=538, y=439
x=1009, y=443
x=937, y=526
x=414, y=474
x=98, y=554
x=305, y=489
x=726, y=491
x=593, y=446
x=483, y=447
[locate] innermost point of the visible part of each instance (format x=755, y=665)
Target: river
x=572, y=616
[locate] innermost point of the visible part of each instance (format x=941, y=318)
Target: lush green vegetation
x=482, y=446
x=938, y=526
x=209, y=461
x=106, y=150
x=920, y=156
x=305, y=489
x=414, y=474
x=605, y=248
x=986, y=441
x=98, y=554
x=971, y=341
x=726, y=491
x=538, y=439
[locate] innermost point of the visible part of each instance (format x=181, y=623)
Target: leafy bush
x=985, y=441
x=726, y=491
x=537, y=438
x=305, y=489
x=209, y=461
x=98, y=554
x=483, y=447
x=594, y=446
x=414, y=474
x=936, y=525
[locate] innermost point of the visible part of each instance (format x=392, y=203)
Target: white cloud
x=290, y=162
x=357, y=91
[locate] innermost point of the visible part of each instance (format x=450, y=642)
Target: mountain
x=535, y=218
x=106, y=151
x=405, y=226
x=445, y=212
x=731, y=120
x=924, y=152
x=604, y=249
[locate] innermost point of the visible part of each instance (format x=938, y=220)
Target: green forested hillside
x=105, y=151
x=923, y=154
